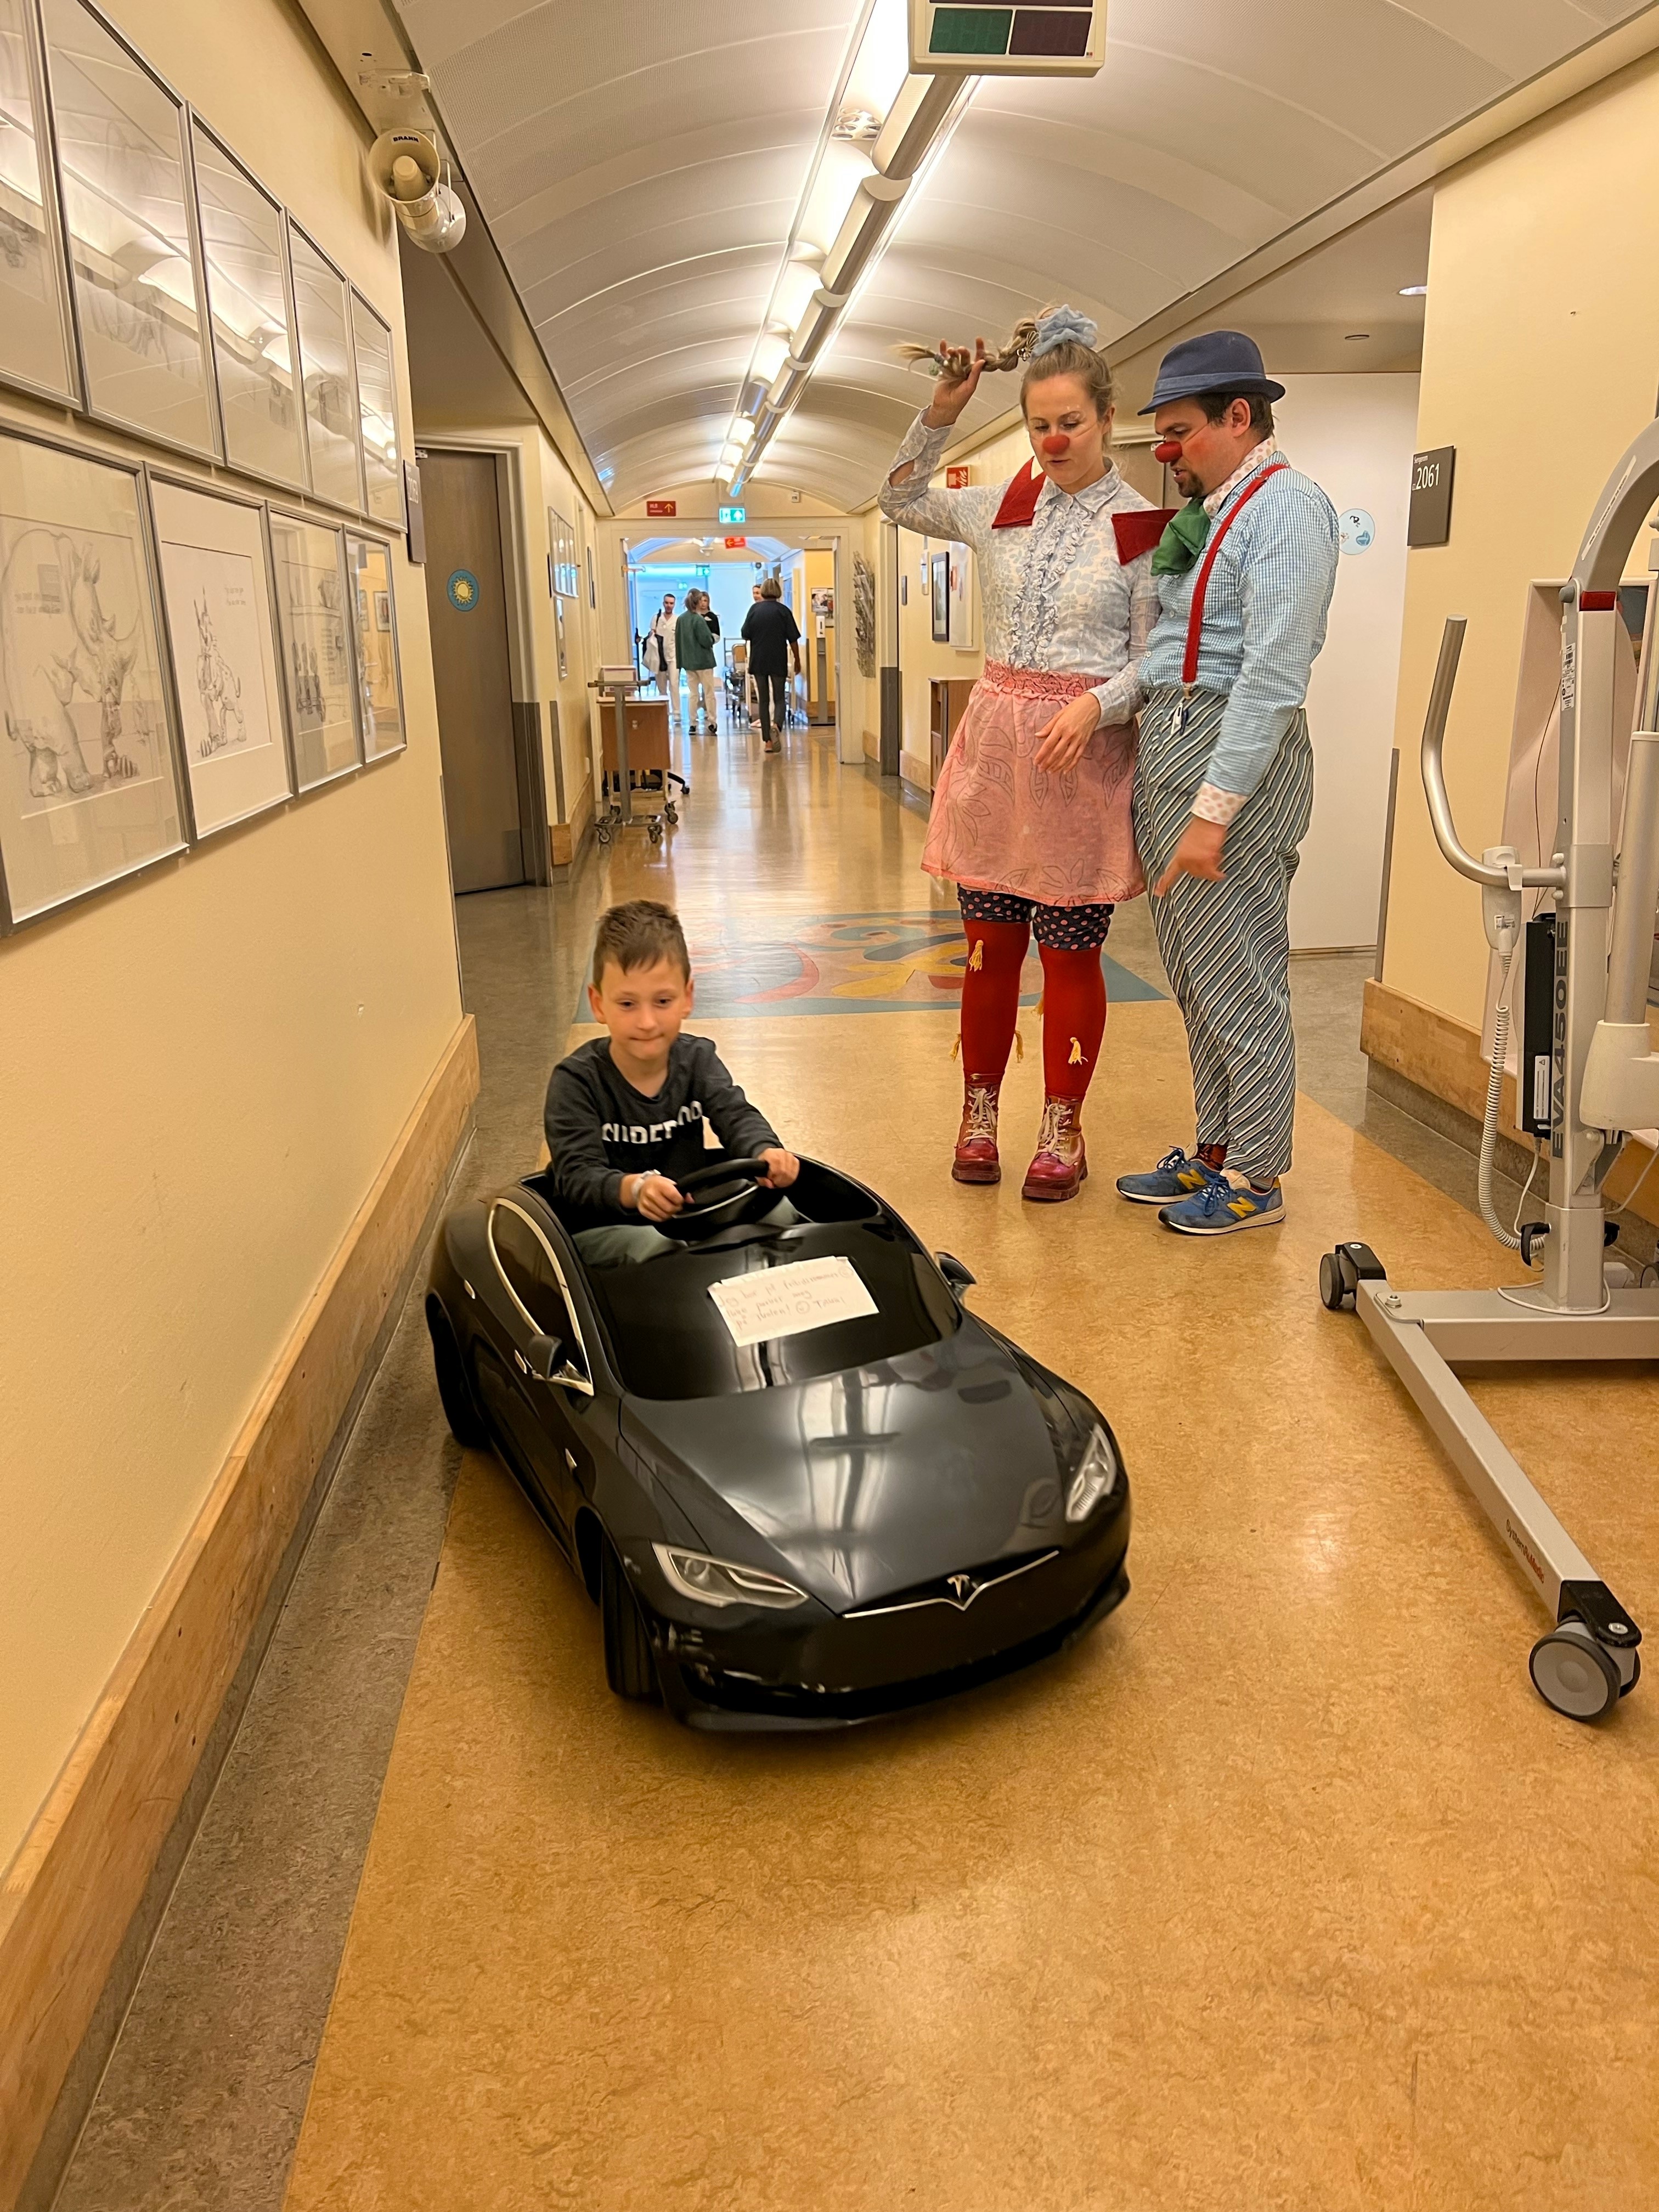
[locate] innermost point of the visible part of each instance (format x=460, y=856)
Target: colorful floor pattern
x=882, y=963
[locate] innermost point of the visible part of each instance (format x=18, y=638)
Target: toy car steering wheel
x=722, y=1212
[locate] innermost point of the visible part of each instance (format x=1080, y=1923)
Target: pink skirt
x=1000, y=824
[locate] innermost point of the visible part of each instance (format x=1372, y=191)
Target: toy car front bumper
x=844, y=1670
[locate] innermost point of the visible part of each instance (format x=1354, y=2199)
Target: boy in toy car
x=626, y=1112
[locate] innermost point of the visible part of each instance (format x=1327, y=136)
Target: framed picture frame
x=319, y=664
x=89, y=784
x=561, y=556
x=251, y=325
x=379, y=680
x=377, y=414
x=327, y=374
x=37, y=337
x=940, y=586
x=127, y=204
x=214, y=563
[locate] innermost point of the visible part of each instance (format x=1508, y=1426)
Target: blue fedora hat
x=1219, y=361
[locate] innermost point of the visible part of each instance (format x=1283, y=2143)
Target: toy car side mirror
x=960, y=1277
x=545, y=1358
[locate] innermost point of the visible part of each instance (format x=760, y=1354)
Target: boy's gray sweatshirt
x=600, y=1128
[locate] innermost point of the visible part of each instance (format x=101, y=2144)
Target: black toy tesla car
x=802, y=1484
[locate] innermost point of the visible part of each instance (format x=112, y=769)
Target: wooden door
x=467, y=603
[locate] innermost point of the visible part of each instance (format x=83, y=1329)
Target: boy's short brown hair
x=637, y=935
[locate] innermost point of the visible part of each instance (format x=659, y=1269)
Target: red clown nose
x=1056, y=446
x=1169, y=451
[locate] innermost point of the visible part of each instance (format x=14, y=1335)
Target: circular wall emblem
x=1359, y=531
x=464, y=591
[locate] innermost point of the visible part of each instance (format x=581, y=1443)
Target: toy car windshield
x=671, y=1341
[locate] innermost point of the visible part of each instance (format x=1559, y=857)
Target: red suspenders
x=1196, y=616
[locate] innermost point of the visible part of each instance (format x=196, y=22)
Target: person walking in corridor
x=773, y=636
x=693, y=649
x=1031, y=818
x=1224, y=784
x=662, y=655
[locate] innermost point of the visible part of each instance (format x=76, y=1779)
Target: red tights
x=1073, y=1007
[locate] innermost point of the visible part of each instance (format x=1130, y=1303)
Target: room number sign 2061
x=1429, y=520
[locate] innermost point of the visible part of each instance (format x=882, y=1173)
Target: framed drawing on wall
x=135, y=272
x=250, y=316
x=89, y=778
x=380, y=685
x=36, y=344
x=562, y=544
x=377, y=415
x=939, y=567
x=329, y=387
x=216, y=592
x=319, y=668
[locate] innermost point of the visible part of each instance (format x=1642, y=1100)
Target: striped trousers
x=1226, y=946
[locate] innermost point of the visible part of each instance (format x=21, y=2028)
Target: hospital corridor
x=828, y=939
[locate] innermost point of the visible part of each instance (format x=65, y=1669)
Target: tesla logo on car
x=961, y=1584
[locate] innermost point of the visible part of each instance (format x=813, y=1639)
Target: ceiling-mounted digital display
x=1063, y=38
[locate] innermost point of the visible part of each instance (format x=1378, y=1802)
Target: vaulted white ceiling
x=639, y=164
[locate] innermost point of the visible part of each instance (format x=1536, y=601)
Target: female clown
x=1032, y=823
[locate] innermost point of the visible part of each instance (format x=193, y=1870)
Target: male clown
x=1223, y=778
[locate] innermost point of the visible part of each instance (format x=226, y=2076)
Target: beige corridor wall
x=201, y=1074
x=1540, y=359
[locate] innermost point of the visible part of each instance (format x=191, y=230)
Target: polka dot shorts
x=1061, y=929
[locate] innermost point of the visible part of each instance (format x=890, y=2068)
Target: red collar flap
x=1139, y=530
x=1020, y=500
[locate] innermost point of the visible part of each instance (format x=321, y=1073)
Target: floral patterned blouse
x=1056, y=596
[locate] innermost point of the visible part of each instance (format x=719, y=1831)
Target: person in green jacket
x=693, y=649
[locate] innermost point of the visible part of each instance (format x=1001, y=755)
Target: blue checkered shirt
x=1264, y=620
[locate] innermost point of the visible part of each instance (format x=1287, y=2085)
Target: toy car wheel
x=1332, y=1290
x=629, y=1667
x=461, y=1408
x=1572, y=1674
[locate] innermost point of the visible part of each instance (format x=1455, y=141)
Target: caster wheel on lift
x=1342, y=1272
x=602, y=832
x=1573, y=1674
x=672, y=815
x=655, y=833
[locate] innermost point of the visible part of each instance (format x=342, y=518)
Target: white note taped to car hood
x=788, y=1301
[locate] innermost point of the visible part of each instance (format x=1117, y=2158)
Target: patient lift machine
x=1604, y=1082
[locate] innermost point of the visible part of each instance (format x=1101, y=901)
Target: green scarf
x=1183, y=541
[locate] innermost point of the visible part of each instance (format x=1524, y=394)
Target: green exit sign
x=990, y=38
x=734, y=514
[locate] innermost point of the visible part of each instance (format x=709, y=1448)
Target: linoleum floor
x=1282, y=1889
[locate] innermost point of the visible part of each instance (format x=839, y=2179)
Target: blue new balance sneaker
x=1174, y=1177
x=1219, y=1209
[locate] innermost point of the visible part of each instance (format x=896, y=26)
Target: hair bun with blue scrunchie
x=1063, y=327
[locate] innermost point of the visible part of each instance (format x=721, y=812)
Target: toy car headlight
x=1096, y=1478
x=723, y=1582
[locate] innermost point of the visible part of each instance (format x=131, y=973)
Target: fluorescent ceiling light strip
x=892, y=225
